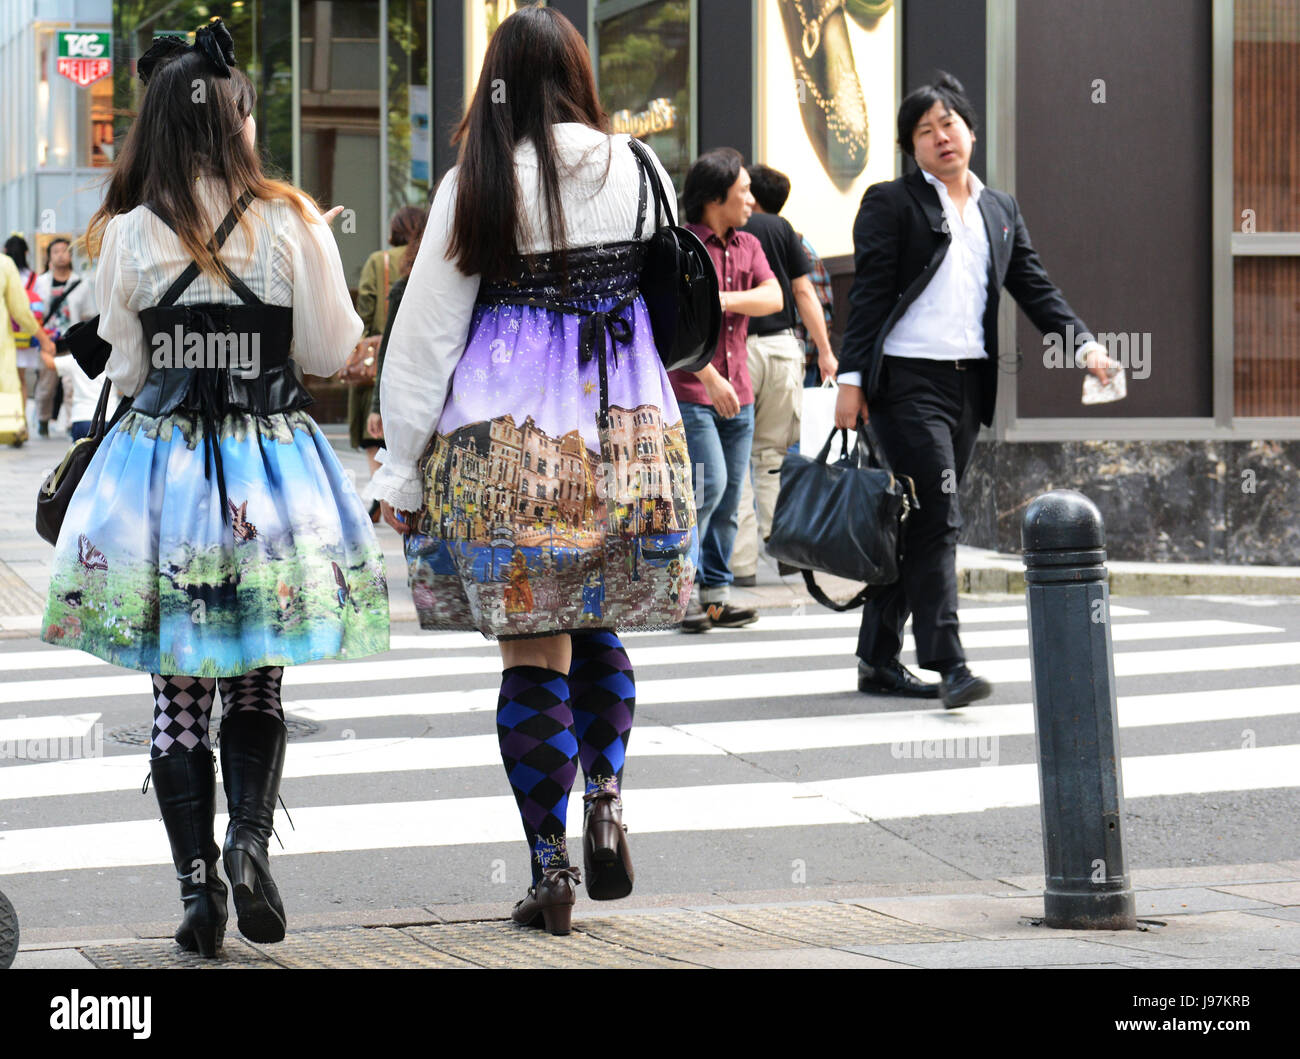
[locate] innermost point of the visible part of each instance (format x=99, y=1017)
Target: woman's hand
x=849, y=405
x=375, y=425
x=402, y=521
x=329, y=215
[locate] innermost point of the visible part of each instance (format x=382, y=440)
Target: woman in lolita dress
x=214, y=538
x=535, y=451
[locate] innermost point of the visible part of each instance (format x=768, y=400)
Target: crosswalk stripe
x=749, y=806
x=905, y=729
x=976, y=788
x=53, y=657
x=50, y=726
x=756, y=690
x=1246, y=656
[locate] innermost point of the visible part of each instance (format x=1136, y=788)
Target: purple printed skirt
x=557, y=496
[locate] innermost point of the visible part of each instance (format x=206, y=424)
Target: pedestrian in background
x=15, y=318
x=377, y=276
x=28, y=360
x=775, y=366
x=66, y=299
x=520, y=369
x=718, y=402
x=932, y=251
x=375, y=421
x=214, y=538
x=814, y=372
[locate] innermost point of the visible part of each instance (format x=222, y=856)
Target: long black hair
x=537, y=72
x=191, y=121
x=16, y=248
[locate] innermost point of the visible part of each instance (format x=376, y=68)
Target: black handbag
x=56, y=491
x=845, y=518
x=679, y=284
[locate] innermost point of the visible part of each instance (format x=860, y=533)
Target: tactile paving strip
x=367, y=948
x=830, y=926
x=498, y=944
x=682, y=931
x=167, y=955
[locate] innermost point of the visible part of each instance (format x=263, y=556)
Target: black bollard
x=8, y=933
x=1074, y=715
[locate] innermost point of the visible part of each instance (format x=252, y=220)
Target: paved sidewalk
x=1227, y=916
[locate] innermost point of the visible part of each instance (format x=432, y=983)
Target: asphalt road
x=400, y=802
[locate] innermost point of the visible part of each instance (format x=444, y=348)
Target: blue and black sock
x=540, y=753
x=602, y=691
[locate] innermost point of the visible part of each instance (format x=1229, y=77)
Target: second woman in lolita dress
x=534, y=442
x=214, y=538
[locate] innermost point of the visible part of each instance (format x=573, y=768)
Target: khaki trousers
x=776, y=370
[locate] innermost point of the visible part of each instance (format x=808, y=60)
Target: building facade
x=1151, y=146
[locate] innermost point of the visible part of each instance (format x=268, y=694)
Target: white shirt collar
x=973, y=184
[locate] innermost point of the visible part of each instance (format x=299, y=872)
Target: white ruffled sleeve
x=325, y=326
x=117, y=278
x=427, y=339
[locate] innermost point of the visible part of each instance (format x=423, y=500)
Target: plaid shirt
x=821, y=281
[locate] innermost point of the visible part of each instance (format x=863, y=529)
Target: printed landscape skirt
x=148, y=575
x=553, y=503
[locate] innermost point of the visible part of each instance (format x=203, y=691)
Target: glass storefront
x=643, y=71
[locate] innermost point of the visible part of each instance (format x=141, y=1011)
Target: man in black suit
x=932, y=251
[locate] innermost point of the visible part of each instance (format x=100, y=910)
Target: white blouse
x=432, y=324
x=283, y=260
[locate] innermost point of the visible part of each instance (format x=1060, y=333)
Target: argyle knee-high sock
x=540, y=753
x=182, y=712
x=602, y=691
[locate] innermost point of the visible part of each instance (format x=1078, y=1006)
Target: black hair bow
x=212, y=41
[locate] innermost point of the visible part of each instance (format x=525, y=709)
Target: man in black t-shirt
x=776, y=364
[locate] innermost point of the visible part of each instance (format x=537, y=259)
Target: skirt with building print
x=547, y=510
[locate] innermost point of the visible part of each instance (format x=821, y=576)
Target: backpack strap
x=219, y=237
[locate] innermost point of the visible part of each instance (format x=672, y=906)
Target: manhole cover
x=139, y=734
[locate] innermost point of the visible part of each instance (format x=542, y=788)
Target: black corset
x=257, y=377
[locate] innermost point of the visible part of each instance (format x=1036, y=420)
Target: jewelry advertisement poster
x=827, y=84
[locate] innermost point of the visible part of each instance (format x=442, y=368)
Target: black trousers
x=926, y=418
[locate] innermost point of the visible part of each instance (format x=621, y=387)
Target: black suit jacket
x=898, y=243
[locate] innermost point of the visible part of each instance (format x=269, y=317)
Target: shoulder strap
x=219, y=237
x=640, y=201
x=648, y=171
x=56, y=303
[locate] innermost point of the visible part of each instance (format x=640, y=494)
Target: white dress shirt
x=283, y=259
x=946, y=321
x=599, y=182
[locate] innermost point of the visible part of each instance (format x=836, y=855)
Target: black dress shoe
x=961, y=687
x=745, y=580
x=892, y=678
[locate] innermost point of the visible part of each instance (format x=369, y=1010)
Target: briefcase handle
x=875, y=457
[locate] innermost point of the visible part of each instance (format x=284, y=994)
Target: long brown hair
x=191, y=122
x=536, y=72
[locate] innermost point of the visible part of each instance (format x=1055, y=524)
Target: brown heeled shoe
x=550, y=902
x=605, y=854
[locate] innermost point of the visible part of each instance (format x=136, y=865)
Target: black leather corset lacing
x=224, y=382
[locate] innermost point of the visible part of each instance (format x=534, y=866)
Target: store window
x=1266, y=195
x=261, y=33
x=74, y=122
x=643, y=71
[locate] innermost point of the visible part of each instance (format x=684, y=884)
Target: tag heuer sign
x=85, y=57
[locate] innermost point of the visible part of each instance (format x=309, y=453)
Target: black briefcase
x=845, y=518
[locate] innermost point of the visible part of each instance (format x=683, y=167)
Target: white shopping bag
x=818, y=419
